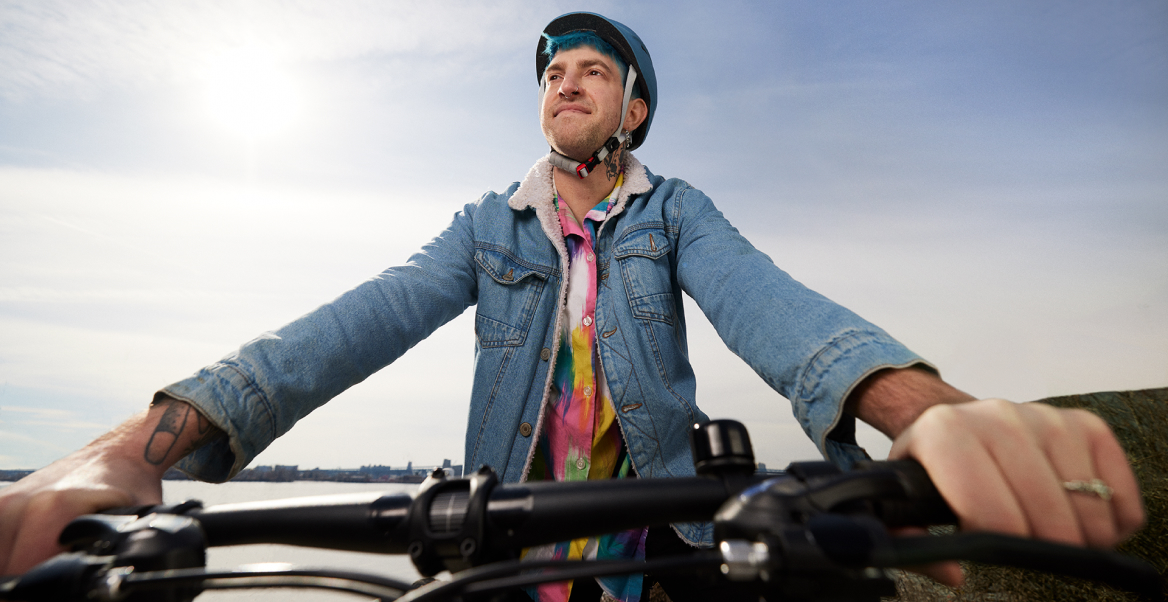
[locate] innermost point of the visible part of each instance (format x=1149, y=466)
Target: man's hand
x=1002, y=466
x=122, y=468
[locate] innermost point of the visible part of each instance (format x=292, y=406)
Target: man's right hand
x=121, y=468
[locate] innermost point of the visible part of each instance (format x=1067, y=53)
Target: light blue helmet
x=624, y=41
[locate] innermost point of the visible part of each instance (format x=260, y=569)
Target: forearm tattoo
x=207, y=432
x=170, y=428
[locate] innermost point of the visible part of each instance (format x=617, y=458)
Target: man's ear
x=636, y=114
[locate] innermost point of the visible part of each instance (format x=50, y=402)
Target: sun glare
x=250, y=94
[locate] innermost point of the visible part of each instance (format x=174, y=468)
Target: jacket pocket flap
x=504, y=268
x=646, y=242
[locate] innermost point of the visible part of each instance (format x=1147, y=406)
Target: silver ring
x=1093, y=487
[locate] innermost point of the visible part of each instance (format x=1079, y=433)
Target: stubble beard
x=580, y=141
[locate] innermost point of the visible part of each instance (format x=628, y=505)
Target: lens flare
x=250, y=93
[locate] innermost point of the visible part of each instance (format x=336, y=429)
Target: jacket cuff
x=832, y=376
x=217, y=392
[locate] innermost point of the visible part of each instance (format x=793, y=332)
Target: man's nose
x=569, y=86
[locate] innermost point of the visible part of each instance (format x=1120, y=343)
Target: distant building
x=14, y=475
x=279, y=473
x=452, y=470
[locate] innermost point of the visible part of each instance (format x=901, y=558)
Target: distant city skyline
x=365, y=474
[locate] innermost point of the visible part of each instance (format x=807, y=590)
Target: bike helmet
x=641, y=74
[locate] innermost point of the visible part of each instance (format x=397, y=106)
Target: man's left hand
x=1003, y=467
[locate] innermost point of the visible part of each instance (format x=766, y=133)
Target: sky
x=986, y=181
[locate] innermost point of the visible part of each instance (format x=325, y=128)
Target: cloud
x=36, y=450
x=63, y=48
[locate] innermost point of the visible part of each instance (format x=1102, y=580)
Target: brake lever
x=832, y=525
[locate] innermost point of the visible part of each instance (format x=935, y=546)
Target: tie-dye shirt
x=581, y=438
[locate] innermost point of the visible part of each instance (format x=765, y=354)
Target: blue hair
x=576, y=39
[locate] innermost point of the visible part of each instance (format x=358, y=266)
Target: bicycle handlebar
x=524, y=514
x=814, y=524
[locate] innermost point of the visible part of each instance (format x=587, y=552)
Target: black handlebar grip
x=922, y=505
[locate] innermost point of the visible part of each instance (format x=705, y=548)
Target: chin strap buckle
x=585, y=168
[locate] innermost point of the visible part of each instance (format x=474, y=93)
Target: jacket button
x=525, y=429
x=546, y=354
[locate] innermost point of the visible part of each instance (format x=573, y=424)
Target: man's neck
x=582, y=195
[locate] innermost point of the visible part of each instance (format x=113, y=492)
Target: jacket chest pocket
x=509, y=293
x=643, y=256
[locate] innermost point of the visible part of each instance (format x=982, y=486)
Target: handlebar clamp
x=448, y=526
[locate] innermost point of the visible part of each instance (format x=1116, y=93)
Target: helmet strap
x=583, y=169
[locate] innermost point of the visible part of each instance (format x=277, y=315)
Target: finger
x=990, y=466
x=1018, y=451
x=47, y=513
x=1072, y=447
x=32, y=543
x=947, y=573
x=947, y=442
x=1061, y=439
x=11, y=507
x=1112, y=467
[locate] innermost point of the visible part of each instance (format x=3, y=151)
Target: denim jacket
x=506, y=254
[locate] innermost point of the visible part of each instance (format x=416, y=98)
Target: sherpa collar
x=537, y=191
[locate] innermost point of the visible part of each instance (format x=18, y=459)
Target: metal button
x=545, y=354
x=588, y=320
x=581, y=463
x=525, y=429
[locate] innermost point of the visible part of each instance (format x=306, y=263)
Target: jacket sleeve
x=259, y=392
x=809, y=349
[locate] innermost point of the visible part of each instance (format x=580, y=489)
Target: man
x=581, y=367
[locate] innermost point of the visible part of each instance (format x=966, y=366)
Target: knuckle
x=939, y=416
x=1051, y=426
x=1001, y=405
x=998, y=413
x=993, y=407
x=1091, y=425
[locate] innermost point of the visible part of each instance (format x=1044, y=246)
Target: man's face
x=581, y=108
